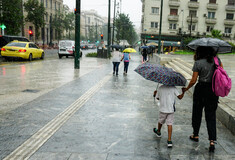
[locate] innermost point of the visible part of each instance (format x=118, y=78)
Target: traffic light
x=30, y=31
x=102, y=36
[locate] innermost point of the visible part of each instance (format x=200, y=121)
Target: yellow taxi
x=25, y=50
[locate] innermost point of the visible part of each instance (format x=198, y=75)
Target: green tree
x=11, y=16
x=125, y=29
x=35, y=15
x=58, y=24
x=69, y=22
x=216, y=34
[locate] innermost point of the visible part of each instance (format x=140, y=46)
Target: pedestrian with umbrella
x=166, y=93
x=203, y=95
x=144, y=54
x=126, y=58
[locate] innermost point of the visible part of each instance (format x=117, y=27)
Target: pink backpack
x=221, y=83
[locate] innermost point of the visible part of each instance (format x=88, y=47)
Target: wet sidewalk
x=104, y=117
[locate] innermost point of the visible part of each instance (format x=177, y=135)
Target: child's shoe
x=157, y=133
x=169, y=144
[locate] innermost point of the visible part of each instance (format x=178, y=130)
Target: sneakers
x=157, y=133
x=169, y=144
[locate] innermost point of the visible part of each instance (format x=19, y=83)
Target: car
x=84, y=46
x=67, y=48
x=25, y=50
x=5, y=39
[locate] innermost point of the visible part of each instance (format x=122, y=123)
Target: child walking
x=166, y=95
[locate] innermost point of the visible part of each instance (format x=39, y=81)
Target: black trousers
x=204, y=97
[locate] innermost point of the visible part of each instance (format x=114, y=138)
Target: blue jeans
x=126, y=64
x=115, y=67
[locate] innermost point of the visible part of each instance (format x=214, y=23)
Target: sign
x=3, y=26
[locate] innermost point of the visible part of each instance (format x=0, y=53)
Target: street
x=22, y=81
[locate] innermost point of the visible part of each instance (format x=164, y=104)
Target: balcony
x=173, y=17
x=211, y=21
x=194, y=19
x=230, y=8
x=229, y=22
x=174, y=3
x=212, y=6
x=193, y=4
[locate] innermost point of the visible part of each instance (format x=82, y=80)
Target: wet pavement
x=98, y=116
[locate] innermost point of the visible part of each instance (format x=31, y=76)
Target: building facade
x=188, y=17
x=92, y=25
x=48, y=35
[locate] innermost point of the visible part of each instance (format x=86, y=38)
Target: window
x=42, y=1
x=51, y=4
x=193, y=0
x=229, y=16
x=209, y=28
x=46, y=17
x=154, y=24
x=212, y=1
x=193, y=28
x=192, y=13
x=174, y=12
x=55, y=6
x=228, y=30
x=172, y=26
x=155, y=10
x=46, y=4
x=231, y=2
x=89, y=20
x=211, y=15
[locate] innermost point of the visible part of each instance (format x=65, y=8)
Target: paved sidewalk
x=105, y=117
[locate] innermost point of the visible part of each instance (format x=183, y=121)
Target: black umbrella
x=117, y=46
x=219, y=45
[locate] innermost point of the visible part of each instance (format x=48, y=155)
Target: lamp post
x=77, y=35
x=160, y=30
x=109, y=29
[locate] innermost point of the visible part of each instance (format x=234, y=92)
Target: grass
x=94, y=54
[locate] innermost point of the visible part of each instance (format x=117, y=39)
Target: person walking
x=126, y=57
x=166, y=95
x=144, y=54
x=203, y=96
x=116, y=60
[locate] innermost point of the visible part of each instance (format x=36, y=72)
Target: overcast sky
x=131, y=7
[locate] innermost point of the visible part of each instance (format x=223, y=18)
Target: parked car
x=19, y=49
x=5, y=39
x=67, y=48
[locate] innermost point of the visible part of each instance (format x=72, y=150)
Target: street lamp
x=160, y=29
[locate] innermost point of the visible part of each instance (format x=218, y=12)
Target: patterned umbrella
x=161, y=74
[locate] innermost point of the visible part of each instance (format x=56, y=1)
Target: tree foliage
x=11, y=16
x=69, y=22
x=125, y=29
x=58, y=24
x=35, y=15
x=216, y=34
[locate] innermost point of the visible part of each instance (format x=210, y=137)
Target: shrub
x=94, y=54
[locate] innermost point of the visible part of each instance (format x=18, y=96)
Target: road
x=22, y=81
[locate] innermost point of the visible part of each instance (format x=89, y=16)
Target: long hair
x=204, y=52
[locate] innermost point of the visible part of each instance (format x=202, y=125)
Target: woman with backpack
x=203, y=96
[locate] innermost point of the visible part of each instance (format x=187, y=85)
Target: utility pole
x=96, y=34
x=160, y=30
x=114, y=20
x=109, y=29
x=191, y=21
x=77, y=35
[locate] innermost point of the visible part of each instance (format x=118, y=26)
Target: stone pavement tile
x=50, y=156
x=87, y=156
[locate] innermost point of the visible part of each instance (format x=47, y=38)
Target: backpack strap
x=216, y=61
